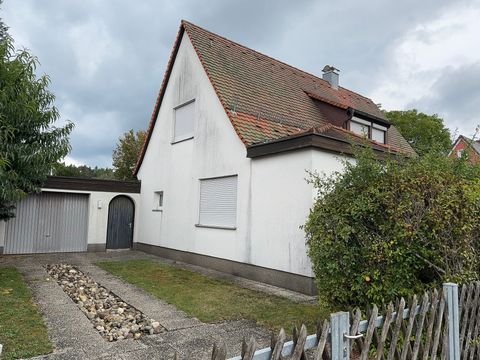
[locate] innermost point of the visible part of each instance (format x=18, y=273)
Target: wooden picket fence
x=469, y=312
x=442, y=325
x=421, y=328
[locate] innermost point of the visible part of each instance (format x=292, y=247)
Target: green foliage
x=61, y=169
x=425, y=133
x=380, y=230
x=3, y=28
x=30, y=144
x=126, y=154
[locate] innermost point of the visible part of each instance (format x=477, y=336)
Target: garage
x=48, y=222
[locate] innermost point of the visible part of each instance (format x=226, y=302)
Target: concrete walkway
x=74, y=336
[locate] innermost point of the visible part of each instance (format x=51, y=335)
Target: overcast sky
x=106, y=58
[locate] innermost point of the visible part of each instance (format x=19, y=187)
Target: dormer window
x=368, y=129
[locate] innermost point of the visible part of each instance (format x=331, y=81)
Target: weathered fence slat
x=385, y=331
x=369, y=333
x=470, y=311
x=463, y=308
x=474, y=346
x=438, y=326
x=248, y=350
x=357, y=317
x=396, y=330
x=465, y=298
x=420, y=322
x=299, y=341
x=408, y=330
x=219, y=352
x=278, y=347
x=322, y=340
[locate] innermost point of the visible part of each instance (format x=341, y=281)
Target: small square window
x=158, y=201
x=459, y=153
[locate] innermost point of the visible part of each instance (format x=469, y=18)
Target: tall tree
x=30, y=143
x=425, y=133
x=126, y=154
x=61, y=169
x=3, y=27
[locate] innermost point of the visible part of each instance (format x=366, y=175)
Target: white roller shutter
x=184, y=121
x=218, y=202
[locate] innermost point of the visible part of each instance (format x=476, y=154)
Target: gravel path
x=74, y=336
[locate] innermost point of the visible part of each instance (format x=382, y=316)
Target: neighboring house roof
x=266, y=99
x=474, y=144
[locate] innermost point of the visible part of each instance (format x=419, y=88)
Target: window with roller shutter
x=218, y=202
x=184, y=122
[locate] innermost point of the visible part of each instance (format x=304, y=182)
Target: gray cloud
x=106, y=58
x=456, y=96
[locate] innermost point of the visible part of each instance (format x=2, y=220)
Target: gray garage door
x=48, y=222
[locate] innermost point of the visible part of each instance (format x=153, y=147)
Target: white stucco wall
x=273, y=195
x=281, y=200
x=176, y=169
x=98, y=217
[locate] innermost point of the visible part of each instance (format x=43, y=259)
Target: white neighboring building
x=232, y=136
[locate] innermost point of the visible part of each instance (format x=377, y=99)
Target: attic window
x=184, y=121
x=368, y=129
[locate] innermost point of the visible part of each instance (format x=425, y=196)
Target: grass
x=212, y=300
x=22, y=331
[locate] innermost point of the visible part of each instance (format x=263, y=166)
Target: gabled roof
x=474, y=144
x=266, y=99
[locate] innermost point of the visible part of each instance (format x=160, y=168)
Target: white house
x=231, y=137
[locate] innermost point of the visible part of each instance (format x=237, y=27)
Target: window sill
x=216, y=227
x=181, y=140
x=157, y=210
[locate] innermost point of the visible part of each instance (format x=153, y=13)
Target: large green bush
x=383, y=229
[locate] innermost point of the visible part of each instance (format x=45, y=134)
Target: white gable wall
x=176, y=169
x=273, y=197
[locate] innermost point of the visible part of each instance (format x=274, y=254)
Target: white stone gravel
x=113, y=318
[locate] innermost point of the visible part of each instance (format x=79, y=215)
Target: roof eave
x=363, y=114
x=311, y=139
x=161, y=93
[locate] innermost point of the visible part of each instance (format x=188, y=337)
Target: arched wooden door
x=121, y=213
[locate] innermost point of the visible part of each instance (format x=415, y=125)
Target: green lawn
x=22, y=331
x=212, y=300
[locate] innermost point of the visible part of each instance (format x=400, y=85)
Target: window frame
x=371, y=126
x=222, y=227
x=174, y=122
x=158, y=200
